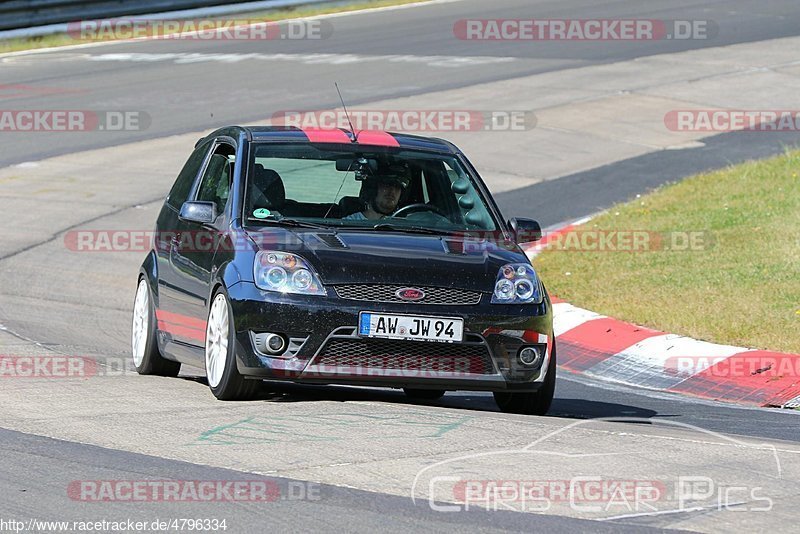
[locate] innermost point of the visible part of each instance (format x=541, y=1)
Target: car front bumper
x=325, y=347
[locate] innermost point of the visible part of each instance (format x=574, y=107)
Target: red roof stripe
x=376, y=138
x=317, y=135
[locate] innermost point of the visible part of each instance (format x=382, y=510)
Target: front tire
x=146, y=357
x=224, y=379
x=531, y=403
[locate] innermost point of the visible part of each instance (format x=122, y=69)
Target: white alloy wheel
x=140, y=329
x=217, y=334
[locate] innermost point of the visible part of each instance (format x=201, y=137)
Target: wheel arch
x=149, y=270
x=226, y=277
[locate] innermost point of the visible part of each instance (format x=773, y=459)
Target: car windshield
x=366, y=187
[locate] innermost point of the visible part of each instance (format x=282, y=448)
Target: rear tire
x=146, y=357
x=424, y=394
x=224, y=379
x=531, y=403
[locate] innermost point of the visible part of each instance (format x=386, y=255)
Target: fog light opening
x=275, y=344
x=269, y=344
x=531, y=356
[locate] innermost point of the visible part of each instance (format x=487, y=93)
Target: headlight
x=285, y=273
x=517, y=283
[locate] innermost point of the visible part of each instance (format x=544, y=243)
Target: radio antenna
x=347, y=114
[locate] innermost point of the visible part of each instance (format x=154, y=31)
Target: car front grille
x=386, y=293
x=365, y=354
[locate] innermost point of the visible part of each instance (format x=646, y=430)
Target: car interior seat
x=268, y=189
x=350, y=205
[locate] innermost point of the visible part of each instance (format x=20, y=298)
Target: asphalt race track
x=202, y=94
x=359, y=450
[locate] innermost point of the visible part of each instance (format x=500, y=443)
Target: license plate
x=411, y=327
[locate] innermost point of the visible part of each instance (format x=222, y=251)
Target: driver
x=388, y=186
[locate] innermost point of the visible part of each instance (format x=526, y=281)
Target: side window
x=215, y=185
x=183, y=184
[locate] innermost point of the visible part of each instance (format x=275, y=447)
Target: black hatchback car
x=320, y=256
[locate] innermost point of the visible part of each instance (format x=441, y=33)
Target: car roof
x=337, y=136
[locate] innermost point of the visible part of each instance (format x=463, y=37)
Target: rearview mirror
x=525, y=230
x=361, y=166
x=345, y=164
x=199, y=212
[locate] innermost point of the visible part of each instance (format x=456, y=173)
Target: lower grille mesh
x=406, y=355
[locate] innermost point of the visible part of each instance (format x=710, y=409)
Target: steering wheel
x=413, y=208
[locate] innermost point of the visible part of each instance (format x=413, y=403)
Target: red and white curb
x=609, y=349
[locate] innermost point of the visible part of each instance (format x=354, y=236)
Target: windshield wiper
x=294, y=223
x=409, y=229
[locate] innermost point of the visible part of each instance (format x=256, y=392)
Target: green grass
x=743, y=289
x=63, y=39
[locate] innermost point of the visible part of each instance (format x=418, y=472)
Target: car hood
x=373, y=257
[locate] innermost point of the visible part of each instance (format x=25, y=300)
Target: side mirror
x=525, y=230
x=198, y=212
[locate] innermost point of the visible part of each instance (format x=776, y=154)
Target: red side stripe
x=376, y=138
x=755, y=377
x=182, y=320
x=317, y=135
x=597, y=340
x=182, y=331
